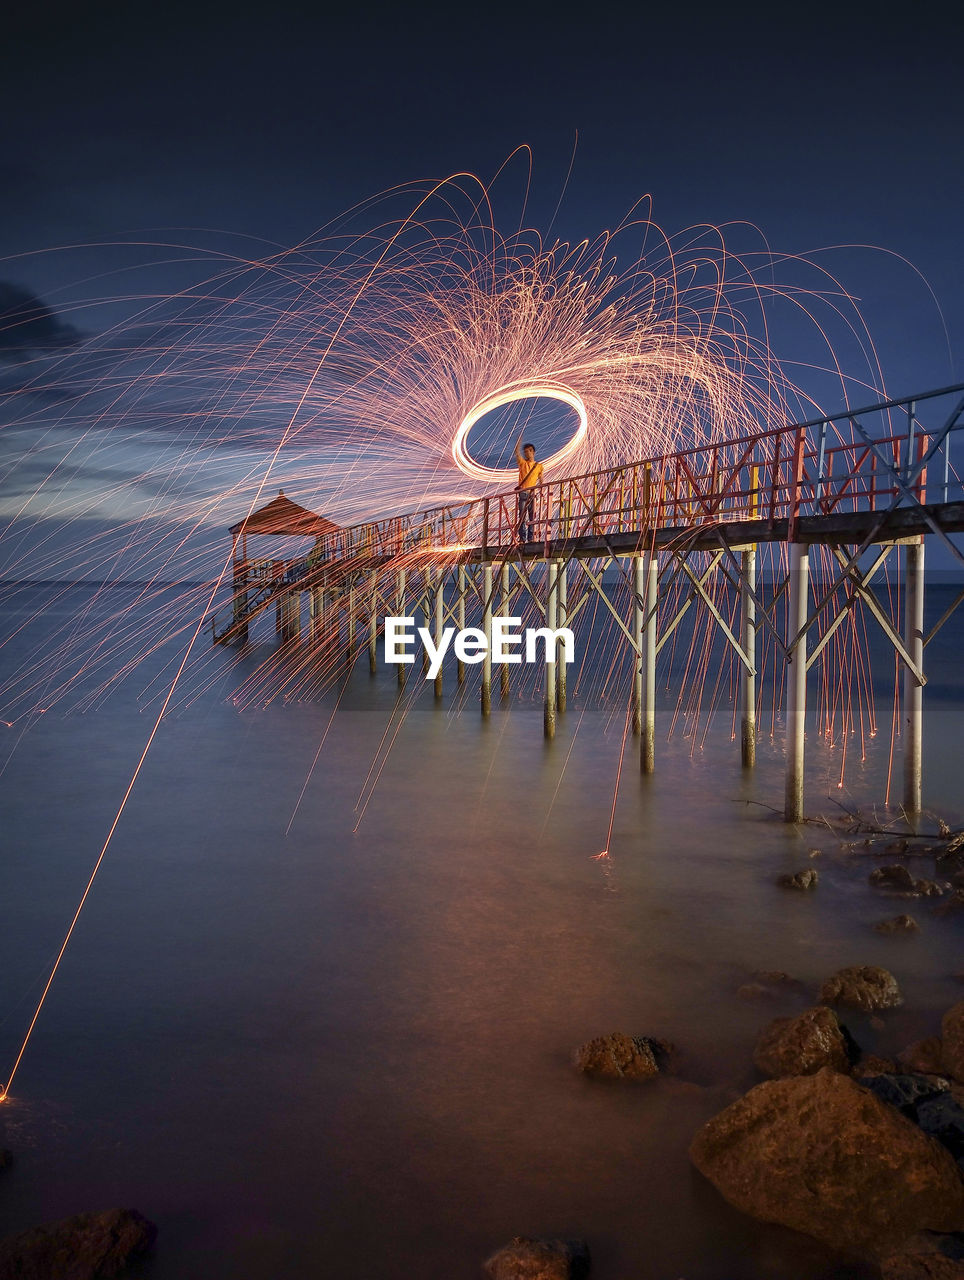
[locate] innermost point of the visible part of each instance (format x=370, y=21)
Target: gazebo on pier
x=257, y=580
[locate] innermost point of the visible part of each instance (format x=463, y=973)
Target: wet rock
x=5, y=1158
x=905, y=1090
x=806, y=879
x=924, y=1056
x=802, y=1045
x=894, y=877
x=953, y=906
x=927, y=1256
x=896, y=848
x=898, y=924
x=862, y=986
x=525, y=1258
x=777, y=978
x=874, y=1065
x=824, y=1156
x=618, y=1057
x=952, y=1038
x=930, y=888
x=86, y=1247
x=756, y=991
x=768, y=984
x=942, y=1116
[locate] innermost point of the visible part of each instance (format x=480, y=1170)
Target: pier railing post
x=913, y=690
x=748, y=709
x=487, y=631
x=796, y=679
x=552, y=604
x=647, y=754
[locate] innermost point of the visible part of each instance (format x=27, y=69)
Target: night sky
x=819, y=126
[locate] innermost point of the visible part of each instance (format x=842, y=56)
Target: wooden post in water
x=647, y=752
x=504, y=612
x=796, y=679
x=439, y=623
x=552, y=605
x=373, y=626
x=913, y=689
x=748, y=708
x=639, y=618
x=563, y=616
x=427, y=614
x=400, y=612
x=350, y=626
x=461, y=615
x=487, y=630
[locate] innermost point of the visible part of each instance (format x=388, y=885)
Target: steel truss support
x=796, y=667
x=748, y=688
x=913, y=673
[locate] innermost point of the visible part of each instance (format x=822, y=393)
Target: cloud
x=29, y=327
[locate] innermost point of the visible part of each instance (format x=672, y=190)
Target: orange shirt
x=530, y=473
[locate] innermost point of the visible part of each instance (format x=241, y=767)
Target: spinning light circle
x=541, y=391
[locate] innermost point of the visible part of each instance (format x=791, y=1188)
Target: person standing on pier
x=530, y=477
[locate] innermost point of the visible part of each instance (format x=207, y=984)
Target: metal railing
x=859, y=460
x=835, y=464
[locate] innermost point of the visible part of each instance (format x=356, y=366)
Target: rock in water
x=905, y=1090
x=824, y=1156
x=928, y=1256
x=86, y=1247
x=899, y=924
x=806, y=879
x=802, y=1045
x=862, y=986
x=618, y=1057
x=942, y=1116
x=953, y=906
x=894, y=877
x=527, y=1259
x=923, y=1056
x=952, y=1041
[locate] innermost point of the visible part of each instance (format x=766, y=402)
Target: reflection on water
x=348, y=1051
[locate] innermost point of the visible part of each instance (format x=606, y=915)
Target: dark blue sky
x=820, y=126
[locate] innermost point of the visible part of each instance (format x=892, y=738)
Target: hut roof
x=281, y=515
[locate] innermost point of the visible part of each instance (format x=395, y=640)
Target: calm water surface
x=329, y=1050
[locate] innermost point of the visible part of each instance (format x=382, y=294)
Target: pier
x=869, y=485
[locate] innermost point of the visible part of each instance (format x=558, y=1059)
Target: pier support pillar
x=487, y=631
x=647, y=746
x=427, y=615
x=373, y=626
x=748, y=709
x=913, y=689
x=562, y=621
x=639, y=615
x=350, y=628
x=796, y=679
x=462, y=586
x=504, y=612
x=552, y=608
x=399, y=613
x=439, y=623
x=316, y=600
